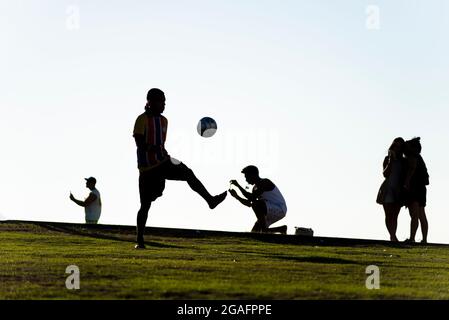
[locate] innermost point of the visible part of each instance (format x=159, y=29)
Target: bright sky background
x=312, y=92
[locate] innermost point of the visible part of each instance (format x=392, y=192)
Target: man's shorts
x=275, y=212
x=152, y=182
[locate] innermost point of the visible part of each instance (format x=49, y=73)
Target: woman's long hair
x=396, y=141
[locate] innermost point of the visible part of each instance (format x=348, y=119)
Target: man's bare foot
x=217, y=200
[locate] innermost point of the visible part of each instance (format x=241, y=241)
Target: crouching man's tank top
x=275, y=196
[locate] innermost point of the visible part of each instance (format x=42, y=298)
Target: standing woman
x=416, y=180
x=390, y=194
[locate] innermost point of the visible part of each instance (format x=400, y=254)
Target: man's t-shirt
x=93, y=211
x=154, y=130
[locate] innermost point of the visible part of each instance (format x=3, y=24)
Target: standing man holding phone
x=92, y=204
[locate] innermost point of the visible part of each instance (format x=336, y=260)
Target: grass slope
x=33, y=260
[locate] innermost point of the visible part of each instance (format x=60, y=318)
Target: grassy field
x=33, y=260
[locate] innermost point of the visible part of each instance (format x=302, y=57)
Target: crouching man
x=265, y=199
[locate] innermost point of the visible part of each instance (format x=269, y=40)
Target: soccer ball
x=207, y=127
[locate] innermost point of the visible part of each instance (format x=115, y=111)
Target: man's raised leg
x=199, y=188
x=181, y=172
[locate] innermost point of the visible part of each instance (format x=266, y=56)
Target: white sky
x=306, y=90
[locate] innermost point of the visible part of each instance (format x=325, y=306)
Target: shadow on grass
x=313, y=259
x=96, y=235
x=310, y=259
x=323, y=242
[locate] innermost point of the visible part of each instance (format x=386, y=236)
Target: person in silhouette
x=265, y=199
x=391, y=192
x=416, y=180
x=92, y=204
x=155, y=164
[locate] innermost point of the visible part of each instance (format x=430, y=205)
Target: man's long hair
x=152, y=94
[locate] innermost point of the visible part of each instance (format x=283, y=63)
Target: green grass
x=33, y=261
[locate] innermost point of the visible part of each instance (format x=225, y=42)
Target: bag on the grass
x=304, y=232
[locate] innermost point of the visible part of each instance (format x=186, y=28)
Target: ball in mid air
x=207, y=127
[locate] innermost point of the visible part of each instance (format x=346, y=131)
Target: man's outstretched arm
x=245, y=202
x=85, y=203
x=246, y=194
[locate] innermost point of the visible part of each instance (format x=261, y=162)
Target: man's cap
x=250, y=170
x=91, y=179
